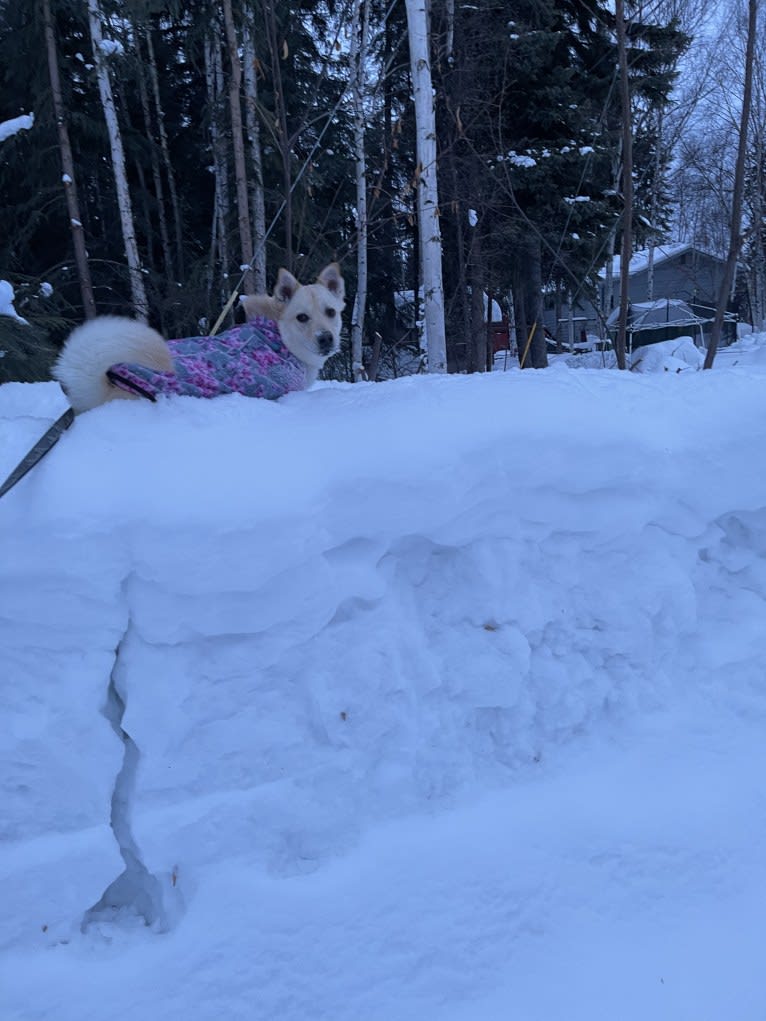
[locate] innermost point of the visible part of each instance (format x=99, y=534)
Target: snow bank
x=749, y=351
x=668, y=356
x=241, y=631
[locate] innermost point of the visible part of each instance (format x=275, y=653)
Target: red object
x=500, y=335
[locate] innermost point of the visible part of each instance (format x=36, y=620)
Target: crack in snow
x=136, y=891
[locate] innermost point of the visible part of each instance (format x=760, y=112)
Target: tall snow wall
x=246, y=630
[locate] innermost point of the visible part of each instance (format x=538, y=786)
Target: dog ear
x=286, y=287
x=330, y=277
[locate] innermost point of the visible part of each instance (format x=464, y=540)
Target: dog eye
x=302, y=317
x=329, y=312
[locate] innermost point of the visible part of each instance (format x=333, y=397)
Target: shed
x=665, y=319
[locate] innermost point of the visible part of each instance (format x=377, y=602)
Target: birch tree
x=282, y=135
x=757, y=202
x=155, y=165
x=165, y=149
x=256, y=157
x=67, y=166
x=100, y=49
x=735, y=238
x=214, y=81
x=449, y=10
x=238, y=146
x=627, y=183
x=754, y=249
x=359, y=32
x=427, y=194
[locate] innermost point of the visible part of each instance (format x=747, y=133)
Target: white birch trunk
x=735, y=235
x=428, y=202
x=166, y=156
x=758, y=285
x=214, y=81
x=138, y=291
x=256, y=157
x=283, y=138
x=449, y=7
x=156, y=175
x=359, y=30
x=67, y=166
x=238, y=146
x=758, y=219
x=627, y=185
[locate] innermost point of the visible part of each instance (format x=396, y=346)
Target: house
x=681, y=272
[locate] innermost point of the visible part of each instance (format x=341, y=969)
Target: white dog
x=286, y=340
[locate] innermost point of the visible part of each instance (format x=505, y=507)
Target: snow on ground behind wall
x=409, y=594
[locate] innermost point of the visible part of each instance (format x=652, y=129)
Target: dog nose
x=325, y=342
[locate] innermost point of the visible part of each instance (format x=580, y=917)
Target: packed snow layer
x=236, y=634
x=677, y=355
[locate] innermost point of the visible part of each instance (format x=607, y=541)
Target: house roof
x=639, y=261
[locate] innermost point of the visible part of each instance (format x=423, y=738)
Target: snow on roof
x=646, y=315
x=654, y=315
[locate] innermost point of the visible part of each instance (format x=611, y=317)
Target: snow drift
x=241, y=631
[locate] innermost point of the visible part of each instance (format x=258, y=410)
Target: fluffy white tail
x=93, y=347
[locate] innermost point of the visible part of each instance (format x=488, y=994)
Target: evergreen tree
x=527, y=124
x=525, y=91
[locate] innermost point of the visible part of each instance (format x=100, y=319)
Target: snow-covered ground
x=438, y=698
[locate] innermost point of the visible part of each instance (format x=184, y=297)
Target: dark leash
x=53, y=435
x=40, y=449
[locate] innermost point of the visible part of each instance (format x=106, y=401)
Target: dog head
x=308, y=316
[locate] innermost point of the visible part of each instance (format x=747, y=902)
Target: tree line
x=449, y=155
